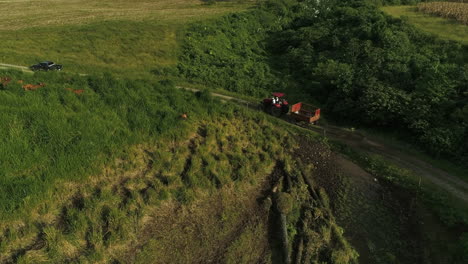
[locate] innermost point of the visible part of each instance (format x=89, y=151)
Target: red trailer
x=305, y=112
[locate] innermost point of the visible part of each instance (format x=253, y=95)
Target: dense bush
x=379, y=71
x=229, y=53
x=364, y=67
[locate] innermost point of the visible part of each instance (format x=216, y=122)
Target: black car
x=46, y=66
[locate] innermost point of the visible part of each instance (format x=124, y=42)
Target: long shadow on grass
x=274, y=223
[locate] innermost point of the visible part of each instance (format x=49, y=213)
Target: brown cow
x=5, y=80
x=78, y=91
x=32, y=87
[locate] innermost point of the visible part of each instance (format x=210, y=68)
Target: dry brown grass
x=455, y=10
x=113, y=214
x=17, y=14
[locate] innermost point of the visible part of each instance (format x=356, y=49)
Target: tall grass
x=82, y=218
x=52, y=133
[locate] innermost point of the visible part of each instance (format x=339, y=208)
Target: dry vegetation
x=17, y=14
x=458, y=11
x=198, y=199
x=103, y=219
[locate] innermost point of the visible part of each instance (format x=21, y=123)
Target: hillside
x=363, y=67
x=128, y=156
x=223, y=166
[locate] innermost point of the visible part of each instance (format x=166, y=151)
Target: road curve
x=452, y=184
x=357, y=141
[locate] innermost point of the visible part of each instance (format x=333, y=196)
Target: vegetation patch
x=445, y=28
x=205, y=185
x=127, y=39
x=400, y=209
x=458, y=11
x=53, y=133
x=363, y=67
x=229, y=53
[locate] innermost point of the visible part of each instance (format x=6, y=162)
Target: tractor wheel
x=275, y=111
x=261, y=106
x=285, y=109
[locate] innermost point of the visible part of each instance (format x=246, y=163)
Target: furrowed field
x=458, y=11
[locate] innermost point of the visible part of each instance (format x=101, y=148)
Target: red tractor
x=300, y=112
x=275, y=105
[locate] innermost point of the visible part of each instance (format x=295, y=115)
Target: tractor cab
x=276, y=104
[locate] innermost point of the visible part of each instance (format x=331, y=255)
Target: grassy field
x=114, y=174
x=126, y=38
x=26, y=14
x=445, y=28
x=87, y=177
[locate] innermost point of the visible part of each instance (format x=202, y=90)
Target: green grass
x=444, y=28
x=37, y=14
x=392, y=139
x=52, y=133
x=125, y=48
x=220, y=150
x=129, y=39
x=449, y=209
x=399, y=222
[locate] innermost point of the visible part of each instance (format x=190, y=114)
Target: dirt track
x=17, y=67
x=357, y=141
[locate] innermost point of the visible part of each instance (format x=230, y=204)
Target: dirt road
x=16, y=67
x=359, y=142
x=426, y=171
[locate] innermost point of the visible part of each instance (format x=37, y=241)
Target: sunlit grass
x=445, y=28
x=124, y=37
x=20, y=14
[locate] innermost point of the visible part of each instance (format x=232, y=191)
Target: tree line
x=363, y=66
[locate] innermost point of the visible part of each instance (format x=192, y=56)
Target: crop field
x=128, y=38
x=442, y=27
x=458, y=11
x=20, y=14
